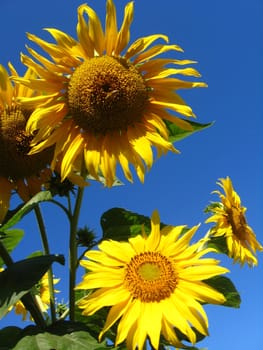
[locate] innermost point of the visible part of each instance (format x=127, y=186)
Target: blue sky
x=225, y=37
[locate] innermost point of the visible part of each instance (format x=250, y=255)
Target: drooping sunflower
x=230, y=219
x=104, y=106
x=152, y=284
x=18, y=171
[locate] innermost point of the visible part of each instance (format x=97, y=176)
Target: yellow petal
x=111, y=30
x=83, y=34
x=45, y=120
x=124, y=33
x=141, y=44
x=95, y=31
x=153, y=239
x=108, y=161
x=173, y=83
x=62, y=38
x=122, y=250
x=149, y=323
x=128, y=319
x=174, y=316
x=114, y=314
x=169, y=334
x=104, y=258
x=138, y=244
x=6, y=88
x=71, y=154
x=163, y=73
x=201, y=292
x=155, y=51
x=179, y=108
x=103, y=297
x=33, y=102
x=141, y=145
x=92, y=154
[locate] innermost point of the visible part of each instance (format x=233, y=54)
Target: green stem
x=61, y=206
x=46, y=249
x=28, y=299
x=73, y=253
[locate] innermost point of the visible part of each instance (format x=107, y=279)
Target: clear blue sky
x=225, y=37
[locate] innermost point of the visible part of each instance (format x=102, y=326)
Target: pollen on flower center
x=15, y=163
x=105, y=94
x=150, y=277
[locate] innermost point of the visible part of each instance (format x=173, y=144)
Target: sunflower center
x=15, y=144
x=106, y=94
x=150, y=277
x=238, y=222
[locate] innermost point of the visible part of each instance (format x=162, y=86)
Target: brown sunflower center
x=238, y=222
x=106, y=94
x=150, y=277
x=15, y=163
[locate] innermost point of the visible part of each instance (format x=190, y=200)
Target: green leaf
x=63, y=335
x=9, y=337
x=22, y=211
x=21, y=276
x=10, y=239
x=225, y=286
x=74, y=341
x=176, y=133
x=120, y=224
x=218, y=243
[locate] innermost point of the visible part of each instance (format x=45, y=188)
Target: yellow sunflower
x=18, y=170
x=42, y=296
x=152, y=284
x=104, y=106
x=229, y=216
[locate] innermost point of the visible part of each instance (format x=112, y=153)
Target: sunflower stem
x=46, y=249
x=73, y=252
x=28, y=299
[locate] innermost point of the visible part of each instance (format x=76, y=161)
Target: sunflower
x=103, y=106
x=42, y=296
x=153, y=285
x=229, y=216
x=18, y=170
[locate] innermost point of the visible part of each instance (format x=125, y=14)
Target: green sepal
x=210, y=208
x=10, y=239
x=176, y=133
x=17, y=279
x=225, y=286
x=14, y=216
